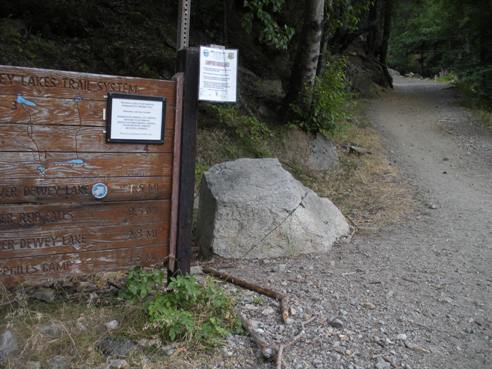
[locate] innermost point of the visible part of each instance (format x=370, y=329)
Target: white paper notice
x=134, y=119
x=218, y=74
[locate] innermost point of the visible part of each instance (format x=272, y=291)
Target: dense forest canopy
x=318, y=49
x=432, y=37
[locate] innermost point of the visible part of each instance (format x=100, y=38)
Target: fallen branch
x=279, y=356
x=280, y=297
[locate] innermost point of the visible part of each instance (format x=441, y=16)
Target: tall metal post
x=184, y=24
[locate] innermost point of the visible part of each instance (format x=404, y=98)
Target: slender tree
x=307, y=56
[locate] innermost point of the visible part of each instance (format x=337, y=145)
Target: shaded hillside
x=116, y=37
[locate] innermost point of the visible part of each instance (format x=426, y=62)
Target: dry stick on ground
x=279, y=356
x=280, y=297
x=282, y=346
x=268, y=351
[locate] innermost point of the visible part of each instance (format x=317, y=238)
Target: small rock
x=44, y=294
x=32, y=365
x=416, y=348
x=81, y=324
x=268, y=311
x=293, y=311
x=381, y=364
x=432, y=206
x=51, y=330
x=335, y=356
x=401, y=337
x=115, y=346
x=250, y=307
x=8, y=344
x=227, y=352
x=112, y=325
x=118, y=364
x=369, y=305
x=379, y=341
x=169, y=350
x=196, y=269
x=343, y=313
x=255, y=324
x=86, y=286
x=145, y=342
x=336, y=323
x=354, y=149
x=343, y=337
x=59, y=362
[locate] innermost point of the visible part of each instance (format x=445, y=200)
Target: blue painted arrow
x=21, y=100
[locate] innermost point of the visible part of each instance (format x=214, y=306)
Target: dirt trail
x=417, y=295
x=446, y=253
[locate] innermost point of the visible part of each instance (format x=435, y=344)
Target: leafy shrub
x=140, y=284
x=272, y=33
x=188, y=311
x=328, y=101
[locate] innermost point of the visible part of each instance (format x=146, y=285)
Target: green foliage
x=251, y=132
x=272, y=33
x=140, y=284
x=429, y=36
x=348, y=14
x=258, y=300
x=329, y=100
x=202, y=313
x=175, y=323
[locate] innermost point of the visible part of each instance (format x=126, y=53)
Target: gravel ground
x=416, y=295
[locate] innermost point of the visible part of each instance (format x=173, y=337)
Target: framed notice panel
x=218, y=75
x=135, y=119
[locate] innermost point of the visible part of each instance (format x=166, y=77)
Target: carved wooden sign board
x=70, y=202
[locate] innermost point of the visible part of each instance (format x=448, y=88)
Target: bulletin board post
x=188, y=64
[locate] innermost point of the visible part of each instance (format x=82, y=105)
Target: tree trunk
x=378, y=38
x=325, y=38
x=308, y=50
x=485, y=48
x=388, y=10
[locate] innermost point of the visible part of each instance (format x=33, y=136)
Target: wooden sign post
x=73, y=203
x=187, y=64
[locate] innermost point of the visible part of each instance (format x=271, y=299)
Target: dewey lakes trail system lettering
x=9, y=79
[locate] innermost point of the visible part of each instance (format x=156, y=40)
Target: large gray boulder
x=253, y=208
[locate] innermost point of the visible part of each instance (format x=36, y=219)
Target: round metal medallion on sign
x=99, y=190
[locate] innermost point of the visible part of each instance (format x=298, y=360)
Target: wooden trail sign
x=70, y=201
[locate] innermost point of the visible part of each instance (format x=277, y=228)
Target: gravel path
x=417, y=295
